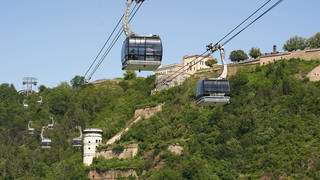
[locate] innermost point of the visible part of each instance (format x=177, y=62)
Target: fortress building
x=92, y=137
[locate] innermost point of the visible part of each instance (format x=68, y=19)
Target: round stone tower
x=92, y=137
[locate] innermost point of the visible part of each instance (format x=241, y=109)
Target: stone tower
x=92, y=137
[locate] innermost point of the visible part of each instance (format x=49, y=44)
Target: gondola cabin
x=76, y=142
x=213, y=92
x=142, y=53
x=50, y=126
x=30, y=130
x=46, y=143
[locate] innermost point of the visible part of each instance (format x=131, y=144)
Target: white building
x=92, y=137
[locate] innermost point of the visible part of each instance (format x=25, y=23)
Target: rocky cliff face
x=112, y=174
x=130, y=151
x=314, y=75
x=147, y=112
x=138, y=115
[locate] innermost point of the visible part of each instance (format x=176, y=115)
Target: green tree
x=238, y=55
x=210, y=62
x=255, y=52
x=295, y=43
x=129, y=74
x=42, y=88
x=7, y=90
x=165, y=174
x=77, y=81
x=314, y=41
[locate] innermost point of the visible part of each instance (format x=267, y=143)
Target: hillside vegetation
x=270, y=128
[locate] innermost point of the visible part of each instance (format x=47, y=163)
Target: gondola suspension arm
x=42, y=130
x=127, y=30
x=126, y=26
x=212, y=49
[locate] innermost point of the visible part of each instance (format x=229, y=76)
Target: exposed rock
x=148, y=112
x=159, y=165
x=112, y=174
x=129, y=151
x=138, y=115
x=265, y=177
x=177, y=149
x=314, y=75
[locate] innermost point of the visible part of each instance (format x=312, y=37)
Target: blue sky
x=56, y=40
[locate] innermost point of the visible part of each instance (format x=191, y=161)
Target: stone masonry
x=112, y=174
x=130, y=151
x=314, y=75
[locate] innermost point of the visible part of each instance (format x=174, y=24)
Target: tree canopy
x=129, y=75
x=301, y=43
x=210, y=62
x=255, y=52
x=77, y=81
x=295, y=43
x=314, y=41
x=238, y=55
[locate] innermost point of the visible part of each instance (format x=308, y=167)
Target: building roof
x=93, y=130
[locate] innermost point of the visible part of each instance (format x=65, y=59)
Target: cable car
x=40, y=100
x=143, y=53
x=30, y=129
x=213, y=91
x=77, y=142
x=50, y=126
x=46, y=143
x=25, y=105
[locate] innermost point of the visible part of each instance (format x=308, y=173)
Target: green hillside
x=270, y=128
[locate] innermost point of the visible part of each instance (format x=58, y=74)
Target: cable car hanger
x=213, y=91
x=77, y=141
x=30, y=129
x=107, y=50
x=139, y=52
x=45, y=142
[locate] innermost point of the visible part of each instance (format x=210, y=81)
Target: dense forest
x=270, y=128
